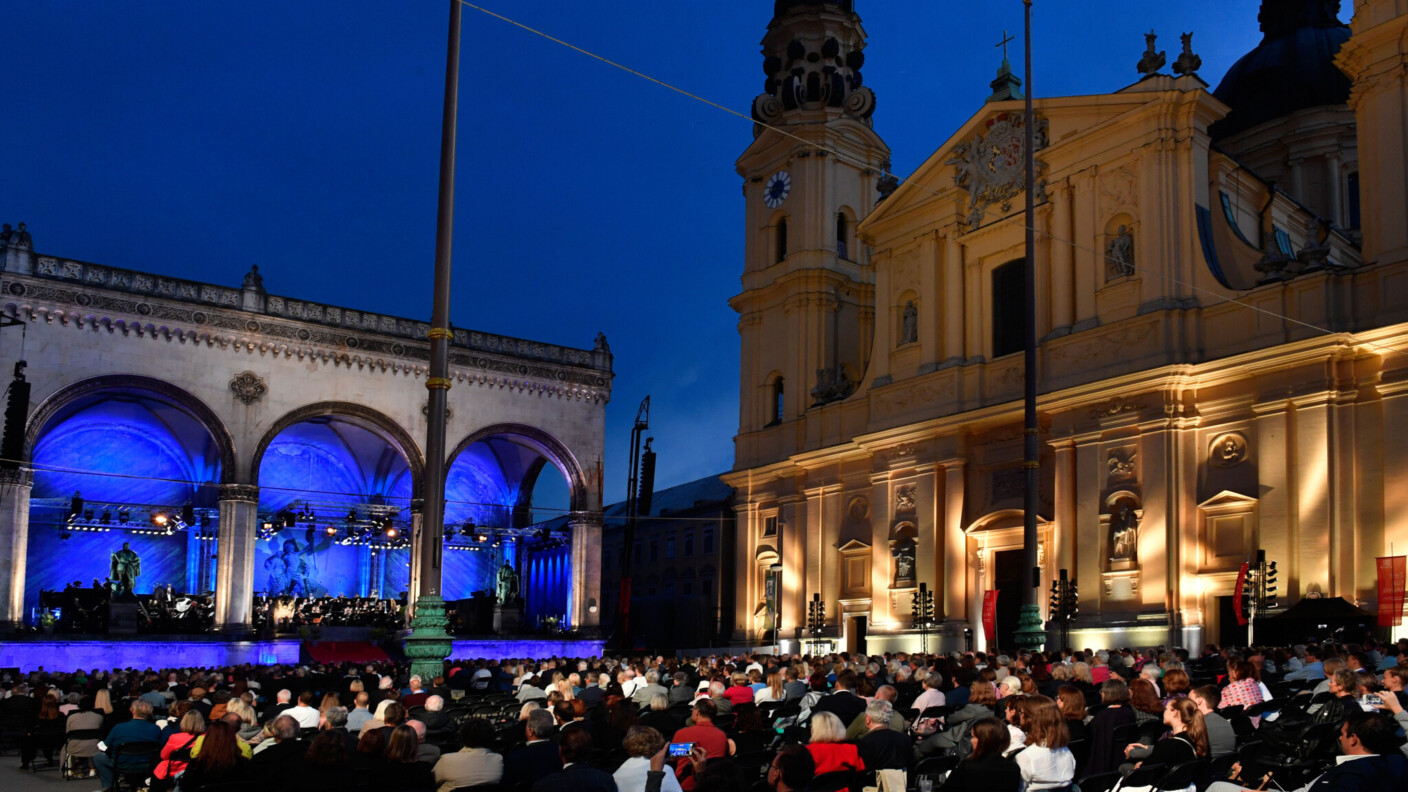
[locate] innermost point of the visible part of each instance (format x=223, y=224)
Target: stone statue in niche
x=909, y=327
x=904, y=561
x=1124, y=533
x=1119, y=255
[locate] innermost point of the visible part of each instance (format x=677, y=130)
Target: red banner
x=1393, y=579
x=990, y=616
x=1237, y=596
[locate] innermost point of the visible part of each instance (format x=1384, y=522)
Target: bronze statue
x=506, y=585
x=126, y=568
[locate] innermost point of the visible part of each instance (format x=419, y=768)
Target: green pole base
x=428, y=644
x=1029, y=634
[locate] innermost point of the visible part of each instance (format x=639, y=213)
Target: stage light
x=75, y=505
x=106, y=519
x=332, y=530
x=591, y=606
x=159, y=519
x=390, y=532
x=124, y=515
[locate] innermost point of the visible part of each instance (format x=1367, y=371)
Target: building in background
x=1222, y=291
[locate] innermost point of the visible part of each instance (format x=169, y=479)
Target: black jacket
x=992, y=773
x=885, y=749
x=843, y=704
x=530, y=763
x=576, y=778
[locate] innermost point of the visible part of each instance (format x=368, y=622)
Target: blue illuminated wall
x=545, y=584
x=54, y=563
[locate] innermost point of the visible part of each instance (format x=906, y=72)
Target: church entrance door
x=1007, y=579
x=855, y=634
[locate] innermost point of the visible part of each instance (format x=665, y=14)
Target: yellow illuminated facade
x=1222, y=322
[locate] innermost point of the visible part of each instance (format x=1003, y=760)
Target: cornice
x=233, y=330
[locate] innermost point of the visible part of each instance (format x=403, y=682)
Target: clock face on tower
x=779, y=186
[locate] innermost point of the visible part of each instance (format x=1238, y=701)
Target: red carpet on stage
x=345, y=652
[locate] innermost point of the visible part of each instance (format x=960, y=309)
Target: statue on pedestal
x=506, y=585
x=904, y=562
x=126, y=568
x=1124, y=533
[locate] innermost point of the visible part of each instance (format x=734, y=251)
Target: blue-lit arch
x=130, y=445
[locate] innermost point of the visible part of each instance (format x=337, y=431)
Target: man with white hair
x=1152, y=673
x=416, y=694
x=439, y=727
x=630, y=683
x=649, y=690
x=425, y=752
x=283, y=700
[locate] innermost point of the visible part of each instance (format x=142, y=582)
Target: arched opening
x=508, y=492
x=780, y=241
x=776, y=403
x=335, y=490
x=842, y=236
x=121, y=461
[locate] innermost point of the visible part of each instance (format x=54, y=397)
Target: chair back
x=1145, y=775
x=1186, y=774
x=832, y=782
x=1100, y=782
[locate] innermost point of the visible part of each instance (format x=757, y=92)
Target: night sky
x=196, y=139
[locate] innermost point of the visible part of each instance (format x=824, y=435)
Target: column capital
x=22, y=476
x=239, y=492
x=417, y=505
x=584, y=518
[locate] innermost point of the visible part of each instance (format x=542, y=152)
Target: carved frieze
x=990, y=166
x=1102, y=349
x=1117, y=405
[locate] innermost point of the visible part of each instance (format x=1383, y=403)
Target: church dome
x=1293, y=68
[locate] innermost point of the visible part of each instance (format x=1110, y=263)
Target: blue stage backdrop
x=545, y=584
x=54, y=563
x=309, y=564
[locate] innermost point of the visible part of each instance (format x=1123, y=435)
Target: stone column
x=953, y=348
x=234, y=573
x=1062, y=261
x=414, y=573
x=1064, y=534
x=15, y=487
x=584, y=603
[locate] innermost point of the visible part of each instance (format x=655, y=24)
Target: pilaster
x=584, y=604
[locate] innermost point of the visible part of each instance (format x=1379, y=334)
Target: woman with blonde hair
x=1046, y=762
x=564, y=688
x=249, y=719
x=102, y=701
x=828, y=747
x=773, y=690
x=176, y=754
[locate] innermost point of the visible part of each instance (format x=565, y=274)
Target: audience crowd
x=1314, y=717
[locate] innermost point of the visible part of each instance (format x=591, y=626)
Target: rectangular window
x=688, y=545
x=770, y=526
x=670, y=547
x=1008, y=308
x=708, y=540
x=654, y=550
x=708, y=586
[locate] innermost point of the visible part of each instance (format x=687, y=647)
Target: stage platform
x=67, y=653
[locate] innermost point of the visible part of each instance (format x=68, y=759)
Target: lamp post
x=429, y=644
x=1029, y=634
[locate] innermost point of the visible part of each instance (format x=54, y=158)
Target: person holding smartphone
x=642, y=743
x=706, y=737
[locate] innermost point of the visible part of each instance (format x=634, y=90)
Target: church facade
x=1221, y=314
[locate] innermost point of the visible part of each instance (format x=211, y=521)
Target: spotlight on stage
x=107, y=517
x=332, y=530
x=75, y=506
x=391, y=532
x=124, y=515
x=591, y=605
x=159, y=519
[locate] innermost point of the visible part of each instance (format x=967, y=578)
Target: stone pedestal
x=507, y=618
x=428, y=644
x=122, y=618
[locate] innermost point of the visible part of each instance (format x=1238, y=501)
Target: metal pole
x=428, y=644
x=1029, y=632
x=623, y=605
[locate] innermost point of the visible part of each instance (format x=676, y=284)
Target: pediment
x=854, y=545
x=1066, y=119
x=1226, y=498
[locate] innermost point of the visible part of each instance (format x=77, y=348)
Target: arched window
x=775, y=400
x=841, y=247
x=781, y=240
x=1008, y=304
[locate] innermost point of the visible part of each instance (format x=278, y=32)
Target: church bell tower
x=1377, y=67
x=810, y=175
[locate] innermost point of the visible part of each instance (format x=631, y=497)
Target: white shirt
x=1044, y=768
x=630, y=686
x=307, y=717
x=630, y=777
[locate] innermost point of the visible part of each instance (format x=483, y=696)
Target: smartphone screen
x=680, y=749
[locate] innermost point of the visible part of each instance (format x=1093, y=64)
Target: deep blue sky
x=196, y=139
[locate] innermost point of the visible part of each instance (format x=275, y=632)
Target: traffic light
x=16, y=416
x=1270, y=585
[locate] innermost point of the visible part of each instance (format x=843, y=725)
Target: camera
x=679, y=749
